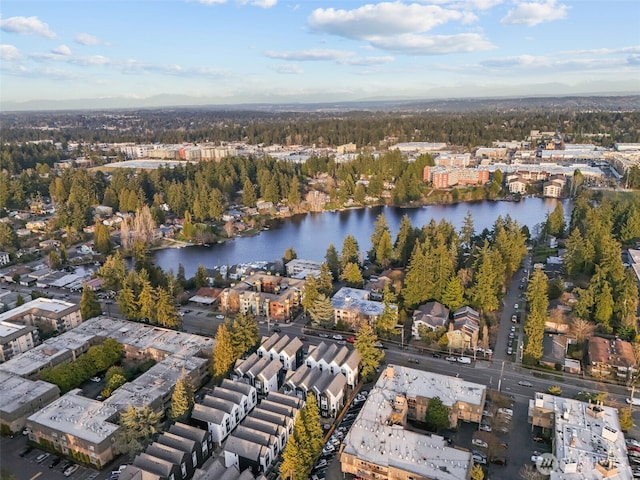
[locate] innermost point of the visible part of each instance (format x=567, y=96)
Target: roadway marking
x=36, y=476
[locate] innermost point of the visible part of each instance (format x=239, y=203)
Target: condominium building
x=45, y=313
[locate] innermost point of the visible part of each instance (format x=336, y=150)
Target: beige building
x=20, y=397
x=16, y=339
x=378, y=445
x=77, y=427
x=45, y=313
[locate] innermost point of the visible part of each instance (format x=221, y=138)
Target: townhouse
x=335, y=359
x=288, y=350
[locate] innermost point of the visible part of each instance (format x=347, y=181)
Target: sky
x=124, y=52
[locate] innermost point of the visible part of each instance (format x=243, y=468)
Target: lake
x=310, y=234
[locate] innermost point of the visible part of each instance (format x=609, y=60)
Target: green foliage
x=138, y=426
x=453, y=295
x=555, y=224
x=554, y=390
x=352, y=275
x=201, y=278
x=181, y=400
x=388, y=319
x=534, y=326
x=625, y=418
x=245, y=334
x=309, y=293
x=321, y=311
x=405, y=241
x=349, y=253
x=112, y=272
x=371, y=356
x=477, y=473
x=289, y=254
x=102, y=239
x=223, y=357
x=437, y=415
x=89, y=304
x=333, y=262
x=325, y=280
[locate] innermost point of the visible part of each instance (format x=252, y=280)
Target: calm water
x=311, y=234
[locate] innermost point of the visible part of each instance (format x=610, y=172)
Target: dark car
x=436, y=355
x=55, y=462
x=499, y=461
x=26, y=451
x=277, y=330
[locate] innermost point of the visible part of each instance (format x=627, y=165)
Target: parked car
x=276, y=329
x=220, y=317
x=351, y=339
x=478, y=459
x=321, y=463
x=499, y=461
x=436, y=355
x=323, y=335
x=464, y=360
x=452, y=359
x=42, y=457
x=71, y=470
x=525, y=383
x=514, y=318
x=506, y=411
x=516, y=306
x=379, y=345
x=509, y=351
x=55, y=462
x=479, y=443
x=485, y=428
x=26, y=451
x=338, y=337
x=96, y=379
x=633, y=401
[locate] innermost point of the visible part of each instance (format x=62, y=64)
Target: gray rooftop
x=153, y=464
x=15, y=391
x=208, y=414
x=188, y=431
x=244, y=448
x=79, y=416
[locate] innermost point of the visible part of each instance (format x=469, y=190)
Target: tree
x=223, y=356
x=201, y=278
x=139, y=425
x=413, y=291
x=371, y=356
x=89, y=304
x=321, y=312
x=325, y=280
x=305, y=443
x=529, y=472
x=166, y=311
x=349, y=253
x=102, y=239
x=534, y=327
x=331, y=256
x=181, y=400
x=555, y=224
x=581, y=328
x=453, y=295
x=112, y=272
x=147, y=301
x=248, y=194
x=379, y=227
x=352, y=275
x=388, y=319
x=625, y=418
x=467, y=231
x=289, y=254
x=127, y=302
x=245, y=334
x=437, y=415
x=309, y=293
x=405, y=241
x=477, y=473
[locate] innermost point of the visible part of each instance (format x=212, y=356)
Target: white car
x=479, y=443
x=71, y=470
x=464, y=360
x=485, y=428
x=506, y=411
x=516, y=306
x=633, y=401
x=220, y=317
x=96, y=379
x=338, y=337
x=525, y=383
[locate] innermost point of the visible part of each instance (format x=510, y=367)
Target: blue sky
x=277, y=51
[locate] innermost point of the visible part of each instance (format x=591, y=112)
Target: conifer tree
x=365, y=345
x=127, y=303
x=416, y=278
x=380, y=226
x=333, y=262
x=388, y=319
x=325, y=280
x=147, y=301
x=352, y=275
x=166, y=311
x=349, y=253
x=405, y=241
x=181, y=400
x=309, y=293
x=89, y=304
x=534, y=326
x=245, y=334
x=201, y=278
x=321, y=312
x=139, y=425
x=453, y=295
x=223, y=356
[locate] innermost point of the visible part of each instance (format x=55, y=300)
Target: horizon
x=62, y=54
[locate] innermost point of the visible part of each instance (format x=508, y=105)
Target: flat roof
x=584, y=434
x=15, y=391
x=79, y=416
x=50, y=306
x=372, y=440
x=10, y=331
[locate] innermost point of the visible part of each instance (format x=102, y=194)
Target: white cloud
x=211, y=2
x=433, y=44
x=308, y=55
x=86, y=39
x=382, y=19
x=367, y=61
x=534, y=13
x=260, y=3
x=531, y=62
x=9, y=53
x=289, y=69
x=27, y=26
x=61, y=50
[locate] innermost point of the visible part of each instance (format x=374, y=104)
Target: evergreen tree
x=245, y=334
x=365, y=345
x=139, y=425
x=415, y=279
x=289, y=254
x=112, y=272
x=166, y=311
x=453, y=295
x=325, y=280
x=293, y=198
x=555, y=221
x=89, y=304
x=534, y=327
x=223, y=357
x=294, y=466
x=181, y=400
x=488, y=280
x=331, y=256
x=352, y=275
x=249, y=196
x=467, y=231
x=182, y=280
x=321, y=312
x=405, y=241
x=102, y=239
x=477, y=473
x=604, y=305
x=201, y=278
x=379, y=227
x=310, y=416
x=388, y=319
x=349, y=253
x=437, y=415
x=147, y=301
x=127, y=303
x=309, y=293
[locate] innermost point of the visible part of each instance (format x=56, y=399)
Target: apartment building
x=16, y=339
x=45, y=313
x=289, y=350
x=20, y=398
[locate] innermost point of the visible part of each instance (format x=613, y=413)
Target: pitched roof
x=616, y=352
x=188, y=431
x=244, y=448
x=241, y=387
x=208, y=414
x=270, y=370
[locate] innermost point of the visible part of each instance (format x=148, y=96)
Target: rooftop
x=79, y=416
x=15, y=391
x=585, y=434
x=42, y=306
x=372, y=440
